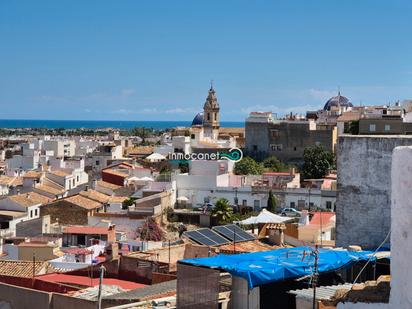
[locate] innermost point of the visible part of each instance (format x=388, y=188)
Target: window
x=372, y=127
x=244, y=203
x=97, y=162
x=275, y=133
x=208, y=116
x=36, y=212
x=31, y=213
x=255, y=147
x=78, y=178
x=276, y=147
x=294, y=148
x=206, y=199
x=192, y=136
x=292, y=204
x=256, y=205
x=329, y=205
x=387, y=127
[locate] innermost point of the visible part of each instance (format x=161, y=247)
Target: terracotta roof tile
x=108, y=185
x=11, y=181
x=60, y=173
x=50, y=189
x=96, y=196
x=84, y=229
x=83, y=202
x=115, y=172
x=32, y=174
x=21, y=268
x=29, y=199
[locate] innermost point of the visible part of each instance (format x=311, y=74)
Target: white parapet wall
x=401, y=235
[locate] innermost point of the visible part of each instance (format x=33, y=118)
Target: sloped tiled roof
x=96, y=196
x=322, y=217
x=83, y=202
x=29, y=199
x=108, y=185
x=11, y=181
x=60, y=173
x=22, y=269
x=39, y=198
x=50, y=189
x=32, y=174
x=116, y=172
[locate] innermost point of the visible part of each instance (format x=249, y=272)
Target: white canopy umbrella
x=265, y=216
x=182, y=199
x=251, y=220
x=156, y=157
x=146, y=179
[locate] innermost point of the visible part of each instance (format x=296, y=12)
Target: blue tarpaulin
x=287, y=263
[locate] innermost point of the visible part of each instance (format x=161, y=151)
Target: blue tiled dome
x=338, y=100
x=198, y=120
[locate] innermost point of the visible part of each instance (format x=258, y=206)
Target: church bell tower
x=211, y=115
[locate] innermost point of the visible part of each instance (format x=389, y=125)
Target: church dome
x=198, y=120
x=336, y=101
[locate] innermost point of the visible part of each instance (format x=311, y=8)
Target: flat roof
x=86, y=281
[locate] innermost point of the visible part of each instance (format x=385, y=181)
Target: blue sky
x=153, y=60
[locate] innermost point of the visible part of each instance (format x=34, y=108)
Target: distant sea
x=100, y=124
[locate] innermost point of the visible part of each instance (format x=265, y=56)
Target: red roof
x=322, y=217
x=86, y=281
x=86, y=230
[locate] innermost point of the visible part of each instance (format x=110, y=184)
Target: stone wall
x=288, y=138
x=364, y=188
x=66, y=213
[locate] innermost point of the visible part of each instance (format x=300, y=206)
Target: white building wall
x=401, y=235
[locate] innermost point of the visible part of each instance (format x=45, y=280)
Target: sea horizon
x=101, y=124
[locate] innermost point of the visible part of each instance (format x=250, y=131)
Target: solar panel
x=233, y=232
x=206, y=237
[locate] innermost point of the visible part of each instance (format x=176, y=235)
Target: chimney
x=86, y=188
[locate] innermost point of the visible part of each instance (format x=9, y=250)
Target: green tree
x=222, y=211
x=272, y=202
x=272, y=163
x=248, y=166
x=128, y=202
x=317, y=162
x=142, y=132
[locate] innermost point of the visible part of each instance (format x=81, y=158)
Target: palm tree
x=223, y=211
